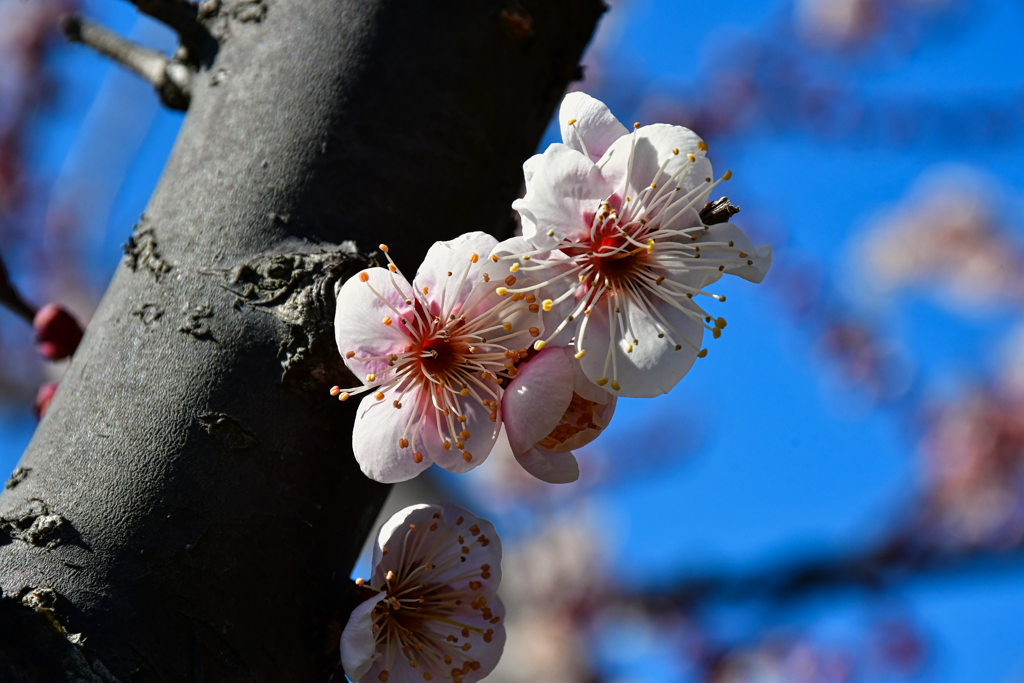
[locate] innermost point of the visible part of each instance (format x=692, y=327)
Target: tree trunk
x=190, y=504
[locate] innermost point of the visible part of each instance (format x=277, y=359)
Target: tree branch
x=170, y=79
x=190, y=496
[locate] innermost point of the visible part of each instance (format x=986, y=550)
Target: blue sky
x=783, y=466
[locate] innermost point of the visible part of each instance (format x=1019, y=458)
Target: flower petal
x=358, y=643
x=651, y=146
x=478, y=555
x=760, y=255
x=453, y=257
x=358, y=321
x=534, y=402
x=563, y=186
x=654, y=365
x=391, y=535
x=378, y=427
x=594, y=124
x=553, y=468
x=482, y=435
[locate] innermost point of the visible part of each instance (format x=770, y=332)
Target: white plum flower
x=612, y=233
x=437, y=615
x=551, y=408
x=433, y=354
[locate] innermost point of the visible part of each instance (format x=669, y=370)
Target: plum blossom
x=551, y=408
x=433, y=354
x=612, y=230
x=437, y=615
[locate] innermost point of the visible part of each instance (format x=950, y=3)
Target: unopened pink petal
x=553, y=468
x=536, y=399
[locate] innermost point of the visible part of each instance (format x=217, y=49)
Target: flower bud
x=43, y=398
x=57, y=332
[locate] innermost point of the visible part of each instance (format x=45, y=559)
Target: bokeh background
x=837, y=492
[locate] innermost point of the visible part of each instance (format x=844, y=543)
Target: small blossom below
x=437, y=616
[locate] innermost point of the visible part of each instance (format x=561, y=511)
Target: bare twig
x=875, y=570
x=12, y=299
x=171, y=79
x=183, y=17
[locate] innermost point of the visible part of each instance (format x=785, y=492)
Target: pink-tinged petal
x=760, y=255
x=397, y=534
x=536, y=399
x=486, y=653
x=651, y=147
x=482, y=435
x=358, y=643
x=593, y=124
x=375, y=439
x=453, y=257
x=359, y=320
x=553, y=468
x=564, y=187
x=392, y=534
x=478, y=555
x=654, y=365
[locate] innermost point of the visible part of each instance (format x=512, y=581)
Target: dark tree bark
x=190, y=504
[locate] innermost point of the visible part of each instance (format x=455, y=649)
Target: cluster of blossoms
x=600, y=297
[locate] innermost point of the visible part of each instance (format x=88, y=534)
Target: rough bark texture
x=190, y=504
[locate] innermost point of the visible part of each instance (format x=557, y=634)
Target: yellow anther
x=727, y=176
x=447, y=445
x=534, y=332
x=379, y=396
x=703, y=353
x=716, y=333
x=601, y=382
x=507, y=326
x=371, y=377
x=494, y=257
x=425, y=290
x=364, y=276
x=387, y=321
x=581, y=353
x=650, y=245
x=720, y=322
x=636, y=125
x=473, y=258
x=691, y=157
x=615, y=385
x=464, y=392
x=702, y=146
x=629, y=348
x=539, y=344
x=572, y=121
x=547, y=304
x=392, y=267
x=501, y=291
x=514, y=268
x=344, y=396
x=675, y=150
x=384, y=248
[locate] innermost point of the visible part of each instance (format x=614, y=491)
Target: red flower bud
x=43, y=398
x=57, y=333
